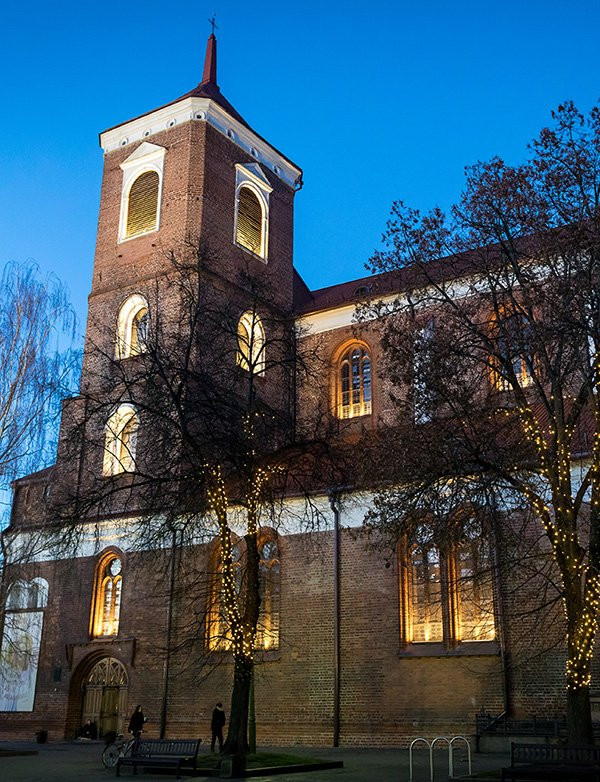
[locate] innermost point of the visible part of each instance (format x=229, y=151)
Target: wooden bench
x=162, y=753
x=552, y=761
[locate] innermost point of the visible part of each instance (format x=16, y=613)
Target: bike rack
x=430, y=746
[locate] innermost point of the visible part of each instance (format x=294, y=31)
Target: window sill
x=260, y=655
x=251, y=253
x=464, y=649
x=124, y=239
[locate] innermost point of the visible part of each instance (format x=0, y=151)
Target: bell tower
x=192, y=171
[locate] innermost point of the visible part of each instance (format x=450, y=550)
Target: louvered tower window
x=249, y=221
x=142, y=205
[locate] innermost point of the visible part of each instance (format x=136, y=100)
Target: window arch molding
x=352, y=379
x=251, y=176
x=105, y=614
x=129, y=339
x=251, y=339
x=120, y=440
x=145, y=159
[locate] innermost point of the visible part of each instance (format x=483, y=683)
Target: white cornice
x=201, y=110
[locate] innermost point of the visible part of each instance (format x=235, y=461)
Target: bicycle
x=119, y=748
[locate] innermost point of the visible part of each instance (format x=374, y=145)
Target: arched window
x=267, y=632
x=106, y=601
x=475, y=592
x=354, y=382
x=132, y=327
x=218, y=634
x=512, y=354
x=426, y=591
x=142, y=204
x=250, y=219
x=21, y=641
x=120, y=441
x=251, y=343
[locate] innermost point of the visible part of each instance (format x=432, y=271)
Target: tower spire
x=209, y=75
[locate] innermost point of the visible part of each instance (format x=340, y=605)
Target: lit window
x=251, y=343
x=142, y=204
x=132, y=327
x=106, y=603
x=251, y=225
x=267, y=633
x=120, y=441
x=512, y=357
x=267, y=630
x=446, y=594
x=426, y=608
x=354, y=382
x=218, y=633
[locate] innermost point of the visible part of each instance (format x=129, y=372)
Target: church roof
x=209, y=89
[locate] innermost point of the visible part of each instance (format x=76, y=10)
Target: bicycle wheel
x=112, y=752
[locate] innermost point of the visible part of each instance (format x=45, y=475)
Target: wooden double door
x=105, y=696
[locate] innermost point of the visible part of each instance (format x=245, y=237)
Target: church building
x=355, y=646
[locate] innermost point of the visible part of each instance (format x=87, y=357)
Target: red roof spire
x=209, y=75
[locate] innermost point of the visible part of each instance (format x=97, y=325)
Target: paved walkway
x=73, y=762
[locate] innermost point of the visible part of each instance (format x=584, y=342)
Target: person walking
x=216, y=726
x=136, y=723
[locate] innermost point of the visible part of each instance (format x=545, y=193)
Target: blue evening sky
x=375, y=101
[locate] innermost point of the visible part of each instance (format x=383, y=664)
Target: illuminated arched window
x=251, y=343
x=354, y=382
x=475, y=592
x=250, y=221
x=142, y=204
x=267, y=633
x=218, y=633
x=106, y=602
x=132, y=327
x=512, y=353
x=426, y=608
x=120, y=441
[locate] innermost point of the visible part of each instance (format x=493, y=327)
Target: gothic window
x=251, y=343
x=353, y=382
x=142, y=204
x=267, y=634
x=106, y=602
x=423, y=398
x=132, y=327
x=120, y=441
x=218, y=633
x=512, y=355
x=21, y=641
x=446, y=593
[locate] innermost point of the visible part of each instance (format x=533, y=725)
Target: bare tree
x=493, y=349
x=37, y=328
x=214, y=445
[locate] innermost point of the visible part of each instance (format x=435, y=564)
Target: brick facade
x=388, y=694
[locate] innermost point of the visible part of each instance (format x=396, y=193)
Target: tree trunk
x=237, y=735
x=579, y=716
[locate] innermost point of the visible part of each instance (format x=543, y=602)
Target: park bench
x=162, y=753
x=552, y=761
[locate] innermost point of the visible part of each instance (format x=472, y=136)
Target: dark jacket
x=218, y=719
x=136, y=722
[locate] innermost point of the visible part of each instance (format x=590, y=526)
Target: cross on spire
x=213, y=24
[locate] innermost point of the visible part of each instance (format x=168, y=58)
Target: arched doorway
x=105, y=695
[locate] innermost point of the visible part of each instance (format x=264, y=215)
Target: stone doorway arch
x=104, y=695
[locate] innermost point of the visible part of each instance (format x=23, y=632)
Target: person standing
x=136, y=723
x=216, y=726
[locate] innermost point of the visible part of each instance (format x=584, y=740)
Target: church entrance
x=105, y=696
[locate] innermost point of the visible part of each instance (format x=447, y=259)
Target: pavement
x=76, y=762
